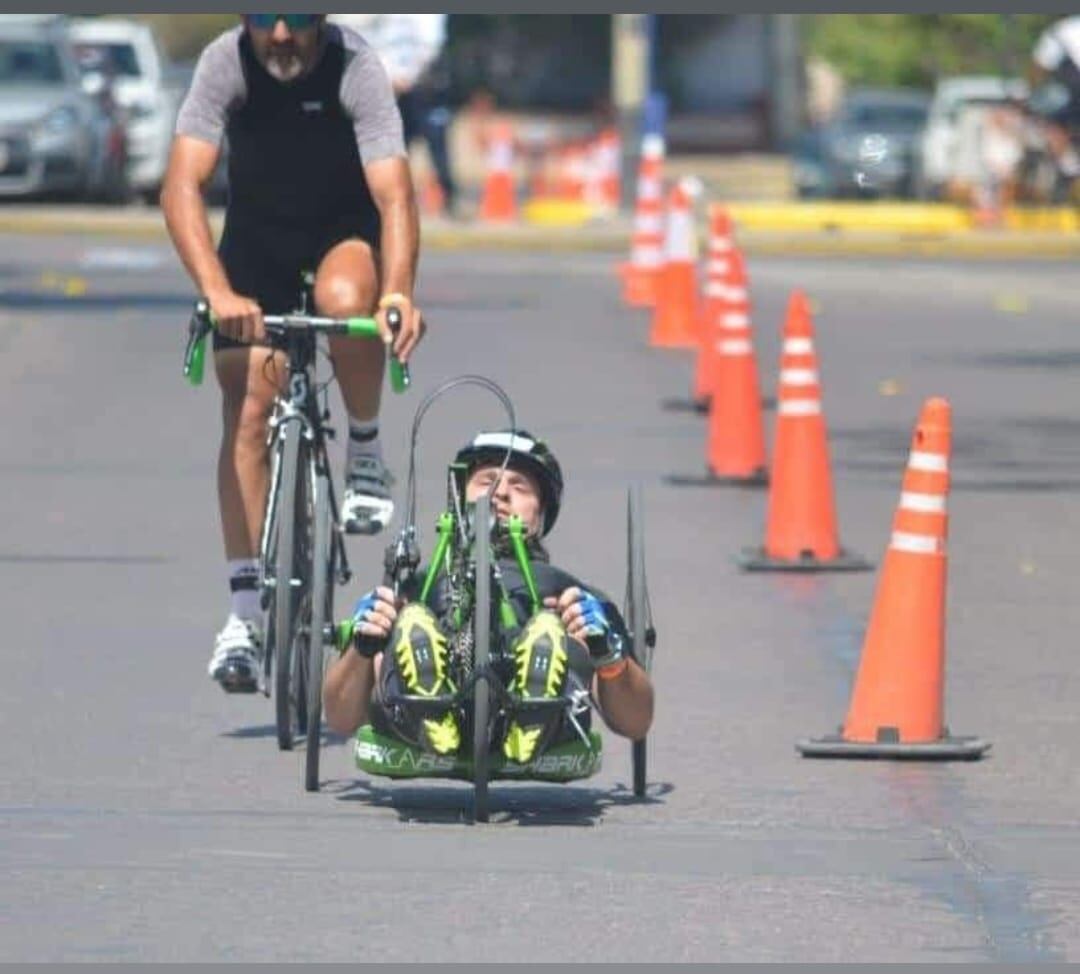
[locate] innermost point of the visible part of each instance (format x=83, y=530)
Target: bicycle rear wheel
x=637, y=613
x=292, y=579
x=481, y=658
x=322, y=614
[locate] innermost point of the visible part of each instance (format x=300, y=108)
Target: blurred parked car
x=867, y=149
x=129, y=54
x=56, y=137
x=940, y=146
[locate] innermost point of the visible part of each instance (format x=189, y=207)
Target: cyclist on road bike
x=401, y=647
x=318, y=179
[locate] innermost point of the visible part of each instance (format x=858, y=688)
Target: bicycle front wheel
x=322, y=615
x=292, y=579
x=481, y=659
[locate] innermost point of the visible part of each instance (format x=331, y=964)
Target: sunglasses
x=292, y=21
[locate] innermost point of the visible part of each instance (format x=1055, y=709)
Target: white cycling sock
x=244, y=586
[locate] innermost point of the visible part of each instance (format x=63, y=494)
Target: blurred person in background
x=1055, y=77
x=412, y=48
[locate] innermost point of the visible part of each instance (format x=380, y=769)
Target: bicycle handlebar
x=202, y=323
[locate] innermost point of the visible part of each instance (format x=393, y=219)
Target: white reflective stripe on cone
x=930, y=462
x=714, y=290
x=734, y=346
x=923, y=503
x=717, y=266
x=652, y=145
x=916, y=544
x=651, y=223
x=799, y=407
x=799, y=377
x=734, y=321
x=798, y=346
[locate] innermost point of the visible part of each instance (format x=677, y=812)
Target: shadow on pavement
x=55, y=301
x=1021, y=454
x=437, y=803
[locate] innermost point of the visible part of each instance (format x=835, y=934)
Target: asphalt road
x=146, y=816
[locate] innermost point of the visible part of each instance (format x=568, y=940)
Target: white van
x=137, y=66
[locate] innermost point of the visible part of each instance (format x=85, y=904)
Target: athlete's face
x=517, y=493
x=286, y=52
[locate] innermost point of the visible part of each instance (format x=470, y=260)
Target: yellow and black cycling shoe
x=420, y=651
x=540, y=663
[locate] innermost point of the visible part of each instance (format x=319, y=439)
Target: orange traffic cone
x=602, y=188
x=498, y=205
x=725, y=292
x=675, y=319
x=897, y=705
x=647, y=243
x=735, y=445
x=800, y=532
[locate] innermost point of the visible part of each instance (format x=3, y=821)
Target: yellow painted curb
x=860, y=217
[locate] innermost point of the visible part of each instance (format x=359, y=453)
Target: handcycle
x=301, y=550
x=463, y=559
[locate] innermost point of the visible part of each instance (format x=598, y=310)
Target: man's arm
x=191, y=165
x=391, y=185
x=623, y=691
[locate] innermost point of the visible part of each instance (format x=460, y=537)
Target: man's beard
x=284, y=65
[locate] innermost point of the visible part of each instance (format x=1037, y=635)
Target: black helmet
x=526, y=453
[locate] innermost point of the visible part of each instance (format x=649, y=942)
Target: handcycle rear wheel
x=481, y=658
x=322, y=614
x=291, y=602
x=637, y=612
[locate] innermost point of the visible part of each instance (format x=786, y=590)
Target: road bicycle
x=301, y=550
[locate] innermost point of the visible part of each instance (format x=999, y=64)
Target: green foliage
x=916, y=49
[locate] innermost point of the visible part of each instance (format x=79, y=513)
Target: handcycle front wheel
x=322, y=614
x=291, y=604
x=481, y=658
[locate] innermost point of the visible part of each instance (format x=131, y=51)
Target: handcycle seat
x=389, y=757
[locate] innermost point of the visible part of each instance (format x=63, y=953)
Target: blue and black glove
x=364, y=644
x=604, y=643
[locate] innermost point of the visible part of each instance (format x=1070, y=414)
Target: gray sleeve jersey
x=368, y=99
x=366, y=96
x=216, y=88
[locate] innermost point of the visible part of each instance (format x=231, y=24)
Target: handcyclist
x=400, y=647
x=318, y=179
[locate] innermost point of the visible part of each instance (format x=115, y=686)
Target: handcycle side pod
x=474, y=587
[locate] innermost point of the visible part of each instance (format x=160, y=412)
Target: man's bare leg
x=248, y=383
x=347, y=285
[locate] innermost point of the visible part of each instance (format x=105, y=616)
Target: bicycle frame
x=298, y=409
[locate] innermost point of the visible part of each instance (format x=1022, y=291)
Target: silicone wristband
x=612, y=670
x=395, y=297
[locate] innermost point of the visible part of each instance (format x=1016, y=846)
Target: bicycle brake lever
x=400, y=378
x=195, y=353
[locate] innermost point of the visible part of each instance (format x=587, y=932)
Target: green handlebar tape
x=362, y=327
x=198, y=362
x=399, y=376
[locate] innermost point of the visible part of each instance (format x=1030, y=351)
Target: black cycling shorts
x=268, y=265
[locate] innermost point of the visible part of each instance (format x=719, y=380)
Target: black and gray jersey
x=296, y=149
